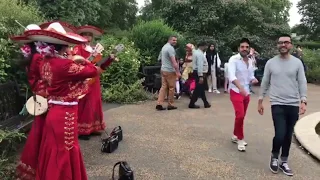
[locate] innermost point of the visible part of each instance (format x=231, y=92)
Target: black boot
x=160, y=108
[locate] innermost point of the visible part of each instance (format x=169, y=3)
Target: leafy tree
x=226, y=21
x=124, y=13
x=77, y=12
x=310, y=11
x=102, y=13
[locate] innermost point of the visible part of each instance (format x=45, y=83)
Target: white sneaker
x=216, y=91
x=210, y=90
x=241, y=146
x=234, y=139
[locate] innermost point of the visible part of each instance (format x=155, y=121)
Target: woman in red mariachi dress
x=90, y=112
x=60, y=157
x=32, y=60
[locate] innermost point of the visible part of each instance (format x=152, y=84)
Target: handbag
x=117, y=131
x=125, y=171
x=109, y=144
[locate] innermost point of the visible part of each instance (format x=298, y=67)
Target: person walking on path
x=200, y=68
x=285, y=79
x=241, y=75
x=169, y=73
x=214, y=63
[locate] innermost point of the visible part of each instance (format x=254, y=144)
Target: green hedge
x=309, y=44
x=312, y=61
x=150, y=36
x=11, y=10
x=120, y=82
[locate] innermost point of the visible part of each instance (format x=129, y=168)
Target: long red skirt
x=60, y=157
x=27, y=165
x=90, y=111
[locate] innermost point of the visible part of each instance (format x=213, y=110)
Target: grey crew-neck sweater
x=286, y=81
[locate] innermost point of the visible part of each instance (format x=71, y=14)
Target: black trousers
x=284, y=119
x=199, y=90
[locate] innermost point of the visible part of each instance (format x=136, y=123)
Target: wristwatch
x=303, y=101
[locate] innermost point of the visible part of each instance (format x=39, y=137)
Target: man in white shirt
x=241, y=75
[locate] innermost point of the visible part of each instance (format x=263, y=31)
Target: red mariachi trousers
x=240, y=105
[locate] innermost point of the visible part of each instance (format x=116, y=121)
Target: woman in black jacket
x=214, y=63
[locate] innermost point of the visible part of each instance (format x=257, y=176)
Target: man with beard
x=241, y=75
x=169, y=73
x=284, y=76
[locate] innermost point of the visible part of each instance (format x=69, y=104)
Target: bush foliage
x=10, y=11
x=9, y=141
x=312, y=61
x=120, y=81
x=149, y=37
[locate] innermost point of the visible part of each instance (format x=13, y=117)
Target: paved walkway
x=189, y=144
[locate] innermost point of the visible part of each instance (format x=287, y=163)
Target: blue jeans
x=284, y=119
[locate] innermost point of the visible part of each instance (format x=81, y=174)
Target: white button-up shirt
x=238, y=69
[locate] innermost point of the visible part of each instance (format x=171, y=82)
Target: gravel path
x=188, y=144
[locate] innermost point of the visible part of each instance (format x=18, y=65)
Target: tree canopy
x=310, y=11
x=225, y=21
x=102, y=13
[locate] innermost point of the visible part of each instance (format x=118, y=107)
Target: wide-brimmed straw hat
x=22, y=38
x=89, y=29
x=55, y=34
x=68, y=27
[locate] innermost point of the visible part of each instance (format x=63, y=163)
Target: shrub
x=149, y=37
x=128, y=94
x=312, y=61
x=11, y=10
x=9, y=141
x=120, y=82
x=309, y=44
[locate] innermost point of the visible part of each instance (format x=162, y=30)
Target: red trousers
x=240, y=105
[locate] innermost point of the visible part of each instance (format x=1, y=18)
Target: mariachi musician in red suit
x=59, y=155
x=90, y=120
x=32, y=60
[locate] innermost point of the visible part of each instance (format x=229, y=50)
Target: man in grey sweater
x=285, y=79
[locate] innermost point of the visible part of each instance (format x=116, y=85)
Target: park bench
x=152, y=77
x=11, y=103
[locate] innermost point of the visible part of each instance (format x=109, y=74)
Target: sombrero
x=90, y=29
x=37, y=105
x=22, y=38
x=68, y=27
x=55, y=34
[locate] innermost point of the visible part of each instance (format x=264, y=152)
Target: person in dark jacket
x=214, y=63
